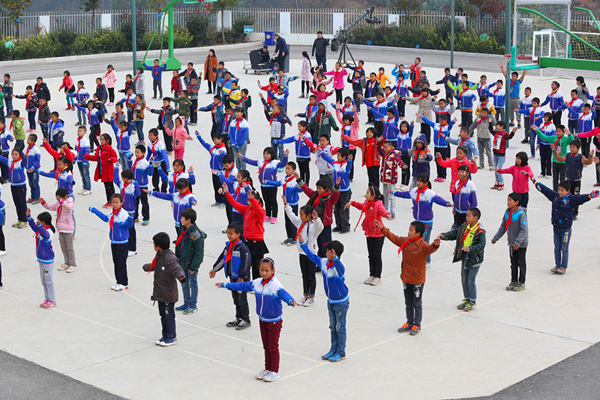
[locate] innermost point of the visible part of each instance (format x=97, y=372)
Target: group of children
x=396, y=166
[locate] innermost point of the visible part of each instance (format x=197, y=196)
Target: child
x=548, y=129
x=370, y=155
x=234, y=180
x=563, y=205
x=484, y=135
x=338, y=80
x=44, y=116
x=414, y=253
x=515, y=97
x=18, y=187
x=193, y=94
x=405, y=144
x=5, y=137
x=166, y=274
x=441, y=131
x=44, y=231
x=189, y=249
x=536, y=119
x=267, y=171
x=235, y=259
x=526, y=102
x=470, y=244
x=180, y=201
x=466, y=98
x=391, y=160
x=2, y=222
x=499, y=148
x=111, y=78
x=16, y=126
x=217, y=153
x=32, y=160
x=239, y=132
x=62, y=174
x=373, y=210
x=305, y=74
x=499, y=96
x=302, y=150
x=138, y=108
x=350, y=125
x=268, y=308
x=126, y=103
x=7, y=89
x=120, y=222
x=455, y=163
x=101, y=92
x=157, y=156
x=81, y=96
x=341, y=170
x=323, y=121
x=31, y=106
x=334, y=272
x=141, y=171
x=94, y=116
x=83, y=148
x=421, y=157
x=423, y=101
x=521, y=172
x=65, y=224
x=165, y=120
x=465, y=196
x=130, y=191
x=514, y=222
x=157, y=71
x=183, y=105
x=324, y=147
x=105, y=158
x=55, y=131
x=179, y=135
x=122, y=133
x=291, y=198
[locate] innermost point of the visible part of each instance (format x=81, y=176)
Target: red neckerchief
x=12, y=164
x=237, y=123
x=264, y=282
x=372, y=84
x=363, y=211
x=154, y=144
x=421, y=97
x=188, y=191
x=309, y=111
x=463, y=140
x=59, y=209
x=532, y=114
x=136, y=77
x=419, y=192
x=153, y=69
x=513, y=82
x=28, y=148
x=510, y=213
x=461, y=184
x=582, y=115
x=479, y=120
x=329, y=265
x=441, y=128
x=123, y=189
x=418, y=81
x=379, y=77
x=319, y=114
x=230, y=250
x=495, y=91
x=403, y=245
x=37, y=233
x=27, y=101
x=558, y=139
x=280, y=78
x=57, y=174
x=287, y=180
x=467, y=231
x=572, y=101
x=112, y=217
x=152, y=265
x=135, y=162
x=180, y=237
x=226, y=120
x=318, y=199
x=121, y=135
x=78, y=144
x=175, y=175
x=356, y=79
x=300, y=230
x=263, y=166
x=162, y=114
x=217, y=146
x=127, y=101
x=546, y=124
x=272, y=117
x=228, y=171
x=89, y=114
x=238, y=190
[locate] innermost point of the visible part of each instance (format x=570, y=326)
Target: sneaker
x=511, y=286
x=519, y=287
x=470, y=306
x=292, y=242
x=233, y=324
x=308, y=302
x=107, y=205
x=71, y=269
x=491, y=168
x=343, y=231
x=271, y=376
x=182, y=307
x=524, y=141
x=43, y=304
x=154, y=98
x=414, y=330
x=260, y=376
x=328, y=355
x=50, y=304
x=22, y=225
x=113, y=287
x=136, y=221
x=190, y=310
x=553, y=270
x=405, y=328
x=301, y=301
x=29, y=200
x=427, y=265
x=369, y=280
x=119, y=287
x=215, y=204
x=336, y=229
x=337, y=357
x=462, y=304
x=495, y=186
x=145, y=222
x=159, y=341
x=2, y=252
x=36, y=201
x=376, y=281
x=81, y=191
x=168, y=342
x=273, y=220
x=500, y=186
x=16, y=224
x=131, y=253
x=222, y=205
x=511, y=124
x=561, y=271
x=267, y=219
x=481, y=167
x=285, y=242
x=597, y=184
x=242, y=325
x=519, y=125
x=87, y=192
x=63, y=267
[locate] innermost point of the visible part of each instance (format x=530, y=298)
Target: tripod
x=343, y=52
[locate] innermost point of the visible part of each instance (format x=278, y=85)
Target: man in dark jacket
x=282, y=49
x=166, y=273
x=264, y=55
x=41, y=89
x=319, y=50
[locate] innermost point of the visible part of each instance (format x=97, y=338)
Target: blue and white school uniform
x=269, y=296
x=45, y=257
x=173, y=177
x=217, y=152
x=466, y=198
x=180, y=203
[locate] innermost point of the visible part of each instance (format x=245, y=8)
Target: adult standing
x=319, y=50
x=282, y=49
x=209, y=74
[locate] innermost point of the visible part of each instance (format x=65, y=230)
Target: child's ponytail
x=67, y=162
x=46, y=219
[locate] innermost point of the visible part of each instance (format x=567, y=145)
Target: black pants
x=309, y=281
x=323, y=239
x=413, y=300
x=290, y=229
x=212, y=86
x=585, y=146
x=527, y=126
x=157, y=86
x=156, y=178
x=405, y=172
x=426, y=130
x=111, y=94
x=546, y=159
x=303, y=166
x=132, y=239
x=258, y=249
x=307, y=84
x=229, y=212
x=559, y=171
x=556, y=117
x=342, y=217
x=109, y=189
x=167, y=319
x=219, y=198
x=240, y=300
x=339, y=96
x=378, y=125
x=19, y=195
x=168, y=141
x=357, y=100
x=270, y=199
x=575, y=189
x=524, y=200
x=194, y=111
x=373, y=174
x=351, y=174
x=466, y=118
x=445, y=152
x=401, y=107
x=2, y=242
x=94, y=129
x=119, y=256
x=518, y=264
x=4, y=168
x=374, y=247
x=459, y=219
x=370, y=116
x=143, y=198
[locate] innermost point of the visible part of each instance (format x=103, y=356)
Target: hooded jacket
x=323, y=122
x=472, y=258
x=421, y=157
x=517, y=231
x=190, y=250
x=166, y=274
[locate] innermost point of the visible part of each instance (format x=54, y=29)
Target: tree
x=15, y=8
x=93, y=6
x=158, y=5
x=407, y=5
x=223, y=5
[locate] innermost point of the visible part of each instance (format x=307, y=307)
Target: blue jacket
x=302, y=150
x=538, y=115
x=381, y=108
x=158, y=153
x=467, y=100
x=423, y=209
x=32, y=156
x=57, y=133
x=333, y=276
x=238, y=132
x=43, y=242
x=390, y=128
x=575, y=107
x=438, y=139
x=141, y=171
x=562, y=207
x=119, y=232
x=64, y=180
x=123, y=145
x=467, y=143
x=156, y=71
x=341, y=170
x=179, y=203
x=269, y=172
x=129, y=193
x=586, y=121
x=239, y=265
x=172, y=180
x=82, y=147
x=405, y=139
x=216, y=153
x=93, y=115
x=291, y=190
x=80, y=95
x=17, y=174
x=6, y=137
x=421, y=157
x=268, y=297
x=556, y=101
x=281, y=46
x=236, y=190
x=310, y=112
x=466, y=198
x=447, y=78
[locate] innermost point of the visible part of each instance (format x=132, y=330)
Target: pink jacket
x=67, y=83
x=338, y=77
x=453, y=164
x=111, y=78
x=320, y=95
x=353, y=128
x=179, y=134
x=373, y=211
x=520, y=183
x=64, y=221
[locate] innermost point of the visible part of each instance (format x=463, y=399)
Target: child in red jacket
x=454, y=163
x=391, y=161
x=370, y=155
x=373, y=210
x=106, y=157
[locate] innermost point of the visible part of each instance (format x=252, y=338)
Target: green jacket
x=17, y=124
x=324, y=126
x=563, y=143
x=184, y=105
x=475, y=253
x=191, y=251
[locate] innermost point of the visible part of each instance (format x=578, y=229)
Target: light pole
x=508, y=50
x=134, y=36
x=452, y=19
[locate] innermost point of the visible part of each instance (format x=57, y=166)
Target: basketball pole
x=508, y=71
x=453, y=17
x=134, y=37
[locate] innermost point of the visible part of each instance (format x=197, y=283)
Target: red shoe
x=68, y=107
x=107, y=205
x=495, y=186
x=414, y=330
x=500, y=185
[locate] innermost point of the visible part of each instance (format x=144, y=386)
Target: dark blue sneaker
x=337, y=357
x=159, y=341
x=328, y=355
x=182, y=307
x=168, y=342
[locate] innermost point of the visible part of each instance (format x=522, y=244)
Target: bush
x=236, y=33
x=198, y=25
x=140, y=31
x=181, y=39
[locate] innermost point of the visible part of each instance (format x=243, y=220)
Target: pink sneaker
x=44, y=304
x=267, y=219
x=273, y=220
x=50, y=304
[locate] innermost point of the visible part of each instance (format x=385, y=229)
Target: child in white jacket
x=305, y=75
x=65, y=225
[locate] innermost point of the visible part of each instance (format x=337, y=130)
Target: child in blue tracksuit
x=234, y=180
x=122, y=133
x=334, y=272
x=405, y=135
x=44, y=231
x=267, y=171
x=181, y=199
x=269, y=294
x=81, y=96
x=423, y=198
x=390, y=124
x=5, y=137
x=7, y=89
x=94, y=116
x=467, y=101
x=217, y=152
x=119, y=222
x=291, y=190
x=178, y=173
x=465, y=141
x=82, y=147
x=465, y=196
x=563, y=203
x=63, y=174
x=130, y=191
x=157, y=156
x=381, y=105
x=235, y=261
x=341, y=169
x=157, y=71
x=302, y=150
x=142, y=169
x=421, y=157
x=239, y=134
x=18, y=188
x=32, y=156
x=441, y=131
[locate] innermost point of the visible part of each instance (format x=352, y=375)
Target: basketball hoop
x=207, y=6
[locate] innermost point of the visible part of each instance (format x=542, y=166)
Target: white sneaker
x=82, y=191
x=114, y=287
x=63, y=267
x=119, y=287
x=86, y=192
x=369, y=280
x=2, y=252
x=271, y=376
x=131, y=253
x=308, y=302
x=300, y=303
x=260, y=376
x=427, y=266
x=375, y=282
x=72, y=269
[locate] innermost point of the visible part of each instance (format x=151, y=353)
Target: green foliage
x=236, y=33
x=89, y=5
x=141, y=28
x=198, y=26
x=181, y=39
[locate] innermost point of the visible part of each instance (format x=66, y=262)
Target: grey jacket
x=518, y=230
x=483, y=128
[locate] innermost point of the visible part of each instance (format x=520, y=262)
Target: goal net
x=576, y=50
